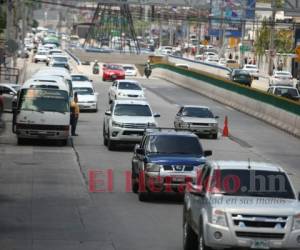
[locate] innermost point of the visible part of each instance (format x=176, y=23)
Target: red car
x=113, y=72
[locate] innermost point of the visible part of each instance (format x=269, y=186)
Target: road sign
x=292, y=8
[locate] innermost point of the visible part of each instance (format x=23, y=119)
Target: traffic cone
x=225, y=129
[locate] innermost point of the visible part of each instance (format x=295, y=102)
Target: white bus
x=42, y=113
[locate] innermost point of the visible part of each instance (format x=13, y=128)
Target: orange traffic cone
x=225, y=129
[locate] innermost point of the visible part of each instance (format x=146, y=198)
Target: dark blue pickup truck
x=165, y=160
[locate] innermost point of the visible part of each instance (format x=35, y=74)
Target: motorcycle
x=148, y=72
x=96, y=69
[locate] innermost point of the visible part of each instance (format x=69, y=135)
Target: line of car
x=217, y=212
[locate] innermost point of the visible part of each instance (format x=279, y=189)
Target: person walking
x=74, y=114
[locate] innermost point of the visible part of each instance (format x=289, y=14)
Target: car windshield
x=114, y=67
x=132, y=110
x=251, y=67
x=174, y=144
x=282, y=73
x=42, y=53
x=16, y=87
x=258, y=183
x=62, y=65
x=60, y=59
x=198, y=112
x=129, y=86
x=284, y=91
x=83, y=91
x=128, y=68
x=44, y=100
x=79, y=78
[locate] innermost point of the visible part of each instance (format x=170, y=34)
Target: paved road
x=45, y=198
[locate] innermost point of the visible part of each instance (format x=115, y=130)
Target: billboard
x=232, y=12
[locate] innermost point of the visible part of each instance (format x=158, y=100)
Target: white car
x=212, y=60
x=206, y=55
x=285, y=91
x=126, y=121
x=87, y=97
x=125, y=89
x=129, y=69
x=252, y=69
x=41, y=56
x=52, y=53
x=80, y=78
x=282, y=78
x=199, y=119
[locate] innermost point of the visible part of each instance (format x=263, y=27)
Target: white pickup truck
x=241, y=205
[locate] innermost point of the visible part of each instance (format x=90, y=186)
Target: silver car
x=198, y=119
x=241, y=205
x=9, y=91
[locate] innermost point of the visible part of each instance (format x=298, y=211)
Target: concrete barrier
x=268, y=111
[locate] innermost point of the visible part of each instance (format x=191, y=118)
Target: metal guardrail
x=76, y=59
x=276, y=101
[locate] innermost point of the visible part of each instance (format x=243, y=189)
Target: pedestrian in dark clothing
x=74, y=114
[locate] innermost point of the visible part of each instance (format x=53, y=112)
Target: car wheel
x=201, y=241
x=21, y=141
x=134, y=183
x=35, y=61
x=190, y=239
x=143, y=193
x=103, y=79
x=64, y=142
x=143, y=196
x=104, y=137
x=110, y=144
x=215, y=136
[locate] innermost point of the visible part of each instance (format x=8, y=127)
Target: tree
x=2, y=17
x=262, y=42
x=284, y=41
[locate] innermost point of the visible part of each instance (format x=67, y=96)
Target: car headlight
x=117, y=124
x=214, y=125
x=219, y=218
x=151, y=125
x=152, y=167
x=296, y=225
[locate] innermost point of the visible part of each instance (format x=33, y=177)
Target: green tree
x=284, y=41
x=2, y=17
x=262, y=40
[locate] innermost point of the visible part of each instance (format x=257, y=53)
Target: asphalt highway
x=45, y=195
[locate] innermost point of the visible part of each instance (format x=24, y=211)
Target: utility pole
x=222, y=30
x=24, y=26
x=243, y=27
x=272, y=31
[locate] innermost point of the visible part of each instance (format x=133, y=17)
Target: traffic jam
x=236, y=203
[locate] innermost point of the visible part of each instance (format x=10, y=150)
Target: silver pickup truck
x=241, y=205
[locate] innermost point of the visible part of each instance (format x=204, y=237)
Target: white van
x=54, y=71
x=42, y=113
x=49, y=80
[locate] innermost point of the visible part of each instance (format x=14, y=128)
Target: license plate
x=260, y=244
x=178, y=178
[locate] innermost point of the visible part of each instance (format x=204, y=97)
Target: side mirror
x=108, y=112
x=11, y=93
x=91, y=80
x=217, y=117
x=136, y=146
x=195, y=189
x=140, y=151
x=207, y=153
x=299, y=196
x=156, y=115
